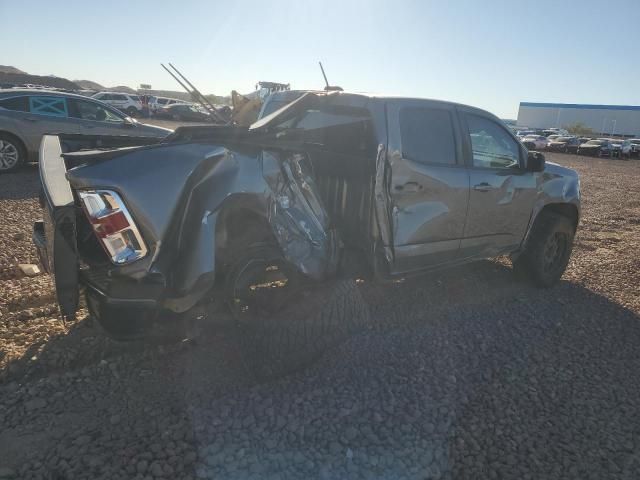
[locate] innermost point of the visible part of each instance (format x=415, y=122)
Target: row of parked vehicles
x=559, y=140
x=159, y=107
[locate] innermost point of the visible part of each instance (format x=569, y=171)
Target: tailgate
x=55, y=235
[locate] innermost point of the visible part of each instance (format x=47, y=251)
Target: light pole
x=613, y=131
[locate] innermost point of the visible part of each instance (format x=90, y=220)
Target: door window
x=120, y=98
x=51, y=106
x=492, y=146
x=17, y=104
x=427, y=135
x=93, y=111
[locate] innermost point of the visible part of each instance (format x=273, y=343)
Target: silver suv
x=125, y=102
x=26, y=115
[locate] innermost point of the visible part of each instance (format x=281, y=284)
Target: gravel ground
x=464, y=374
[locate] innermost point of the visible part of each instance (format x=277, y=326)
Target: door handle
x=409, y=187
x=482, y=187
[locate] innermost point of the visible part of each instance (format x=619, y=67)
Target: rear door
x=47, y=115
x=429, y=186
x=502, y=192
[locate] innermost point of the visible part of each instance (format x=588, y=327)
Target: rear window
x=161, y=101
x=118, y=97
x=17, y=104
x=51, y=106
x=427, y=135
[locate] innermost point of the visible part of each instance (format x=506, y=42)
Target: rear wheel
x=285, y=321
x=547, y=253
x=12, y=153
x=132, y=112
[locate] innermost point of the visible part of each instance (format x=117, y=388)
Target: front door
x=502, y=192
x=429, y=187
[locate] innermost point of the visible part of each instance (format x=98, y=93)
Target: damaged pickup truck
x=332, y=186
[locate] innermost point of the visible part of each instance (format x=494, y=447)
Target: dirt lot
x=464, y=374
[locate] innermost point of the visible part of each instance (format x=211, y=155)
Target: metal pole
x=323, y=74
x=613, y=132
x=178, y=80
x=202, y=98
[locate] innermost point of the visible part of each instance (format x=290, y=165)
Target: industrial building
x=605, y=120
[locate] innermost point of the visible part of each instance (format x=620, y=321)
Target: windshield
x=595, y=142
x=564, y=139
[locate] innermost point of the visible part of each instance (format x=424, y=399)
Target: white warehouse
x=606, y=120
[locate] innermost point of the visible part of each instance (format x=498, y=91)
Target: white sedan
x=535, y=142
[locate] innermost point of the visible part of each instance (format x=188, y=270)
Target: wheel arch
x=565, y=209
x=21, y=143
x=568, y=210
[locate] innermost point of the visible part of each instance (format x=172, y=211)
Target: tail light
x=113, y=226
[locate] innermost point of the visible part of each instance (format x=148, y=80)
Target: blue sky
x=491, y=54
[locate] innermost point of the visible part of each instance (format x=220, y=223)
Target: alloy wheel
x=9, y=155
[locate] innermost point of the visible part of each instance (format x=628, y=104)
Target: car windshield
x=564, y=139
x=595, y=142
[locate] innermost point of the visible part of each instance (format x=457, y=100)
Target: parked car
x=564, y=144
x=156, y=103
x=555, y=131
x=125, y=102
x=620, y=148
x=523, y=133
x=184, y=112
x=635, y=146
x=600, y=147
x=26, y=115
x=262, y=218
x=535, y=142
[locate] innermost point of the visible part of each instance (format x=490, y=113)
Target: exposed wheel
x=132, y=112
x=12, y=153
x=286, y=322
x=548, y=249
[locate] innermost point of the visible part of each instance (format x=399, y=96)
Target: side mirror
x=535, y=162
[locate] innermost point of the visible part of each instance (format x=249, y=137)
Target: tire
x=12, y=153
x=548, y=250
x=132, y=112
x=311, y=319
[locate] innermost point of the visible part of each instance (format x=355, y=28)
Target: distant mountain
x=13, y=75
x=8, y=69
x=89, y=85
x=22, y=78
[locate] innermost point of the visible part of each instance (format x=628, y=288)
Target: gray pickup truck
x=329, y=187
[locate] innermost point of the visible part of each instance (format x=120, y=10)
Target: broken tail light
x=113, y=226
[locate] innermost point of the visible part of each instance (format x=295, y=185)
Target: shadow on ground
x=464, y=374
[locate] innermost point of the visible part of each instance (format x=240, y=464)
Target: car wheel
x=548, y=249
x=12, y=153
x=286, y=322
x=132, y=112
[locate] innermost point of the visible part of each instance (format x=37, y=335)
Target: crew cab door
x=429, y=186
x=502, y=192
